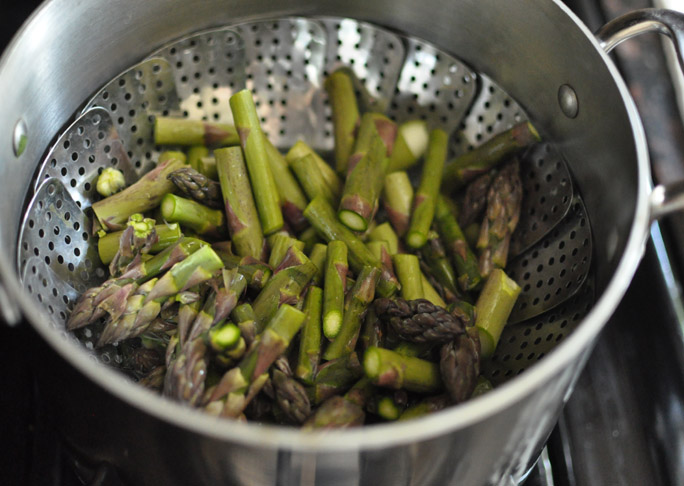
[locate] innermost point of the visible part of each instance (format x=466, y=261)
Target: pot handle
x=667, y=198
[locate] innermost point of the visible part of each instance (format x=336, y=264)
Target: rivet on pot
x=567, y=99
x=19, y=137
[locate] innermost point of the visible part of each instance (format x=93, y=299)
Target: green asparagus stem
x=110, y=181
x=145, y=194
x=475, y=199
x=108, y=245
x=482, y=386
x=384, y=232
x=438, y=265
x=385, y=407
x=207, y=167
x=301, y=149
x=407, y=267
x=388, y=369
x=428, y=191
x=426, y=406
x=345, y=113
x=456, y=246
x=409, y=146
x=255, y=271
x=311, y=179
x=163, y=260
x=335, y=283
x=292, y=198
x=134, y=242
x=279, y=246
x=493, y=306
x=335, y=377
x=371, y=332
x=498, y=149
x=195, y=153
x=430, y=292
x=134, y=320
x=372, y=125
x=223, y=337
x=322, y=217
x=310, y=342
x=419, y=320
x=397, y=197
x=336, y=412
x=198, y=187
x=318, y=256
x=253, y=143
x=243, y=315
x=241, y=214
x=202, y=220
x=181, y=131
x=291, y=397
x=187, y=312
x=310, y=237
x=355, y=307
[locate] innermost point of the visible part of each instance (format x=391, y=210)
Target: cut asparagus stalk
x=253, y=143
x=279, y=246
x=431, y=293
x=110, y=181
x=409, y=146
x=310, y=342
x=388, y=369
x=397, y=199
x=498, y=149
x=311, y=179
x=428, y=191
x=462, y=256
x=195, y=153
x=459, y=365
x=310, y=237
x=425, y=407
x=355, y=307
x=318, y=256
x=163, y=260
x=301, y=149
x=255, y=271
x=292, y=198
x=181, y=131
x=244, y=317
x=493, y=306
x=335, y=377
x=435, y=258
x=322, y=217
x=198, y=187
x=336, y=412
x=134, y=242
x=482, y=386
x=475, y=200
x=207, y=167
x=291, y=397
x=407, y=267
x=372, y=125
x=108, y=245
x=130, y=324
x=202, y=220
x=113, y=212
x=335, y=284
x=345, y=114
x=242, y=219
x=223, y=337
x=384, y=232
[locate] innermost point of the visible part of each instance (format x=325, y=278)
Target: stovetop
x=623, y=424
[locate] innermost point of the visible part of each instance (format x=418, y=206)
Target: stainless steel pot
x=543, y=56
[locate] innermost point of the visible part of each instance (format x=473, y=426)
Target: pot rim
x=382, y=435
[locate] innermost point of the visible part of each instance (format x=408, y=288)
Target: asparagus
x=322, y=217
x=462, y=256
x=292, y=199
x=244, y=317
x=388, y=369
x=335, y=283
x=136, y=240
x=187, y=312
x=235, y=385
x=431, y=293
x=291, y=397
x=154, y=379
x=397, y=200
x=318, y=256
x=459, y=365
x=498, y=149
x=335, y=377
x=113, y=211
x=181, y=131
x=493, y=306
x=195, y=154
x=241, y=214
x=409, y=146
x=108, y=245
x=202, y=220
x=410, y=276
x=336, y=412
x=279, y=246
x=311, y=179
x=435, y=258
x=163, y=260
x=372, y=331
x=110, y=181
x=482, y=386
x=384, y=232
x=207, y=167
x=254, y=144
x=503, y=213
x=301, y=149
x=255, y=271
x=385, y=407
x=428, y=191
x=362, y=188
x=475, y=200
x=345, y=113
x=372, y=125
x=355, y=307
x=310, y=237
x=310, y=342
x=197, y=186
x=426, y=406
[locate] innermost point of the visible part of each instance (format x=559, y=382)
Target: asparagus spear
x=202, y=220
x=113, y=211
x=464, y=259
x=409, y=146
x=310, y=342
x=459, y=365
x=435, y=258
x=207, y=167
x=301, y=149
x=195, y=154
x=494, y=305
x=318, y=256
x=335, y=283
x=181, y=131
x=482, y=386
x=388, y=369
x=345, y=113
x=342, y=411
x=292, y=199
x=503, y=213
x=471, y=164
x=372, y=125
x=426, y=406
x=428, y=191
x=355, y=307
x=279, y=246
x=241, y=214
x=311, y=179
x=475, y=200
x=431, y=293
x=110, y=181
x=255, y=271
x=310, y=237
x=254, y=144
x=136, y=240
x=397, y=199
x=108, y=245
x=410, y=276
x=291, y=397
x=384, y=232
x=244, y=317
x=335, y=377
x=197, y=186
x=187, y=312
x=322, y=217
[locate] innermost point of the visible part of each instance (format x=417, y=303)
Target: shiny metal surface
x=511, y=423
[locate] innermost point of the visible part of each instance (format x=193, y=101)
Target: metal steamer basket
x=471, y=67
